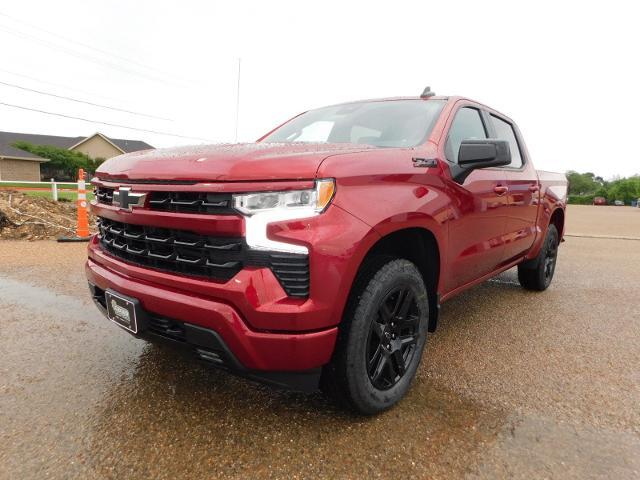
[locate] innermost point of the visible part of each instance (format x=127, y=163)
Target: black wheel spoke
x=379, y=370
x=407, y=340
x=385, y=313
x=398, y=362
x=550, y=260
x=407, y=302
x=392, y=334
x=376, y=356
x=410, y=321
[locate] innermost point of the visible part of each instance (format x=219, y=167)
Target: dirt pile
x=24, y=217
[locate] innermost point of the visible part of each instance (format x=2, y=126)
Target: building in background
x=19, y=165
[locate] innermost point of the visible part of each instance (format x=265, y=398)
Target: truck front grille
x=179, y=202
x=189, y=253
x=173, y=250
x=192, y=202
x=104, y=195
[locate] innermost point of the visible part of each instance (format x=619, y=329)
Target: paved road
x=514, y=384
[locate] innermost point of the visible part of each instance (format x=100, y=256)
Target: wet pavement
x=513, y=384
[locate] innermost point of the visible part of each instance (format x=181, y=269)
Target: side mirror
x=481, y=153
x=484, y=153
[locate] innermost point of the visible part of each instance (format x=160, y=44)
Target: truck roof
x=390, y=99
x=453, y=98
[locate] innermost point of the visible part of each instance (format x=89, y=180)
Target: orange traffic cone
x=82, y=228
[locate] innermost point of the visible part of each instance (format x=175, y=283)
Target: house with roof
x=19, y=165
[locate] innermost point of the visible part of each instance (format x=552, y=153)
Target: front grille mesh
x=179, y=202
x=173, y=250
x=192, y=202
x=190, y=253
x=104, y=195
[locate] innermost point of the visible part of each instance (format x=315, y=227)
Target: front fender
x=391, y=203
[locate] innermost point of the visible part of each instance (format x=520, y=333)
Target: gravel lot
x=513, y=384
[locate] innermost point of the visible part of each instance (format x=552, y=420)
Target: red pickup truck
x=318, y=256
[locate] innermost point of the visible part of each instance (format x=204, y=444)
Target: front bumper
x=251, y=350
x=208, y=346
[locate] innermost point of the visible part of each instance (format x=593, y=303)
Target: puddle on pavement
x=87, y=400
x=175, y=416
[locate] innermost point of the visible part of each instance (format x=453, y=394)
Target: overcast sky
x=566, y=72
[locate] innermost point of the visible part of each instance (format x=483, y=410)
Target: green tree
x=625, y=189
x=583, y=183
x=584, y=186
x=63, y=164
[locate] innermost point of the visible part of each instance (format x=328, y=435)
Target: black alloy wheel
x=536, y=274
x=550, y=258
x=392, y=338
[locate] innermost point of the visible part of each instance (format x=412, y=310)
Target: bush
x=581, y=199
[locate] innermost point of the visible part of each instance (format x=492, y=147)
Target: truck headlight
x=263, y=208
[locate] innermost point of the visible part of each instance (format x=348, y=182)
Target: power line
x=85, y=56
x=85, y=45
x=59, y=85
x=104, y=123
x=81, y=101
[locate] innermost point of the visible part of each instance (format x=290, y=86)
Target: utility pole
x=238, y=101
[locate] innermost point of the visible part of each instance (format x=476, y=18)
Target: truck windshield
x=391, y=123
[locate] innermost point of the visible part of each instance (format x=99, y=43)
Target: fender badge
x=424, y=162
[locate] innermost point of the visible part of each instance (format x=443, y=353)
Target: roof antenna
x=427, y=93
x=238, y=102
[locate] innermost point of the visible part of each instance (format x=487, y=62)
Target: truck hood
x=225, y=162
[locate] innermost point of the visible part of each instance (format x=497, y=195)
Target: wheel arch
x=557, y=219
x=420, y=246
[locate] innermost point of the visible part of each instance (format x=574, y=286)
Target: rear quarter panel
x=553, y=196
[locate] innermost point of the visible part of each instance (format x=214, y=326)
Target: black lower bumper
x=207, y=346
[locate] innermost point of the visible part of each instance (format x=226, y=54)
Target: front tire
x=537, y=274
x=381, y=338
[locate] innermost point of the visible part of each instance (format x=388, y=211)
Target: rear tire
x=537, y=274
x=381, y=337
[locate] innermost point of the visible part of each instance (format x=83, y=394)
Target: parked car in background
x=599, y=201
x=618, y=203
x=319, y=255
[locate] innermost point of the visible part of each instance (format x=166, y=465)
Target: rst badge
x=126, y=199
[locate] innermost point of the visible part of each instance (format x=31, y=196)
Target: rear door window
x=504, y=131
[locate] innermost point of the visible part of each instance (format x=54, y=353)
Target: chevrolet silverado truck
x=318, y=256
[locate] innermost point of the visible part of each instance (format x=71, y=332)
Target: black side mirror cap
x=480, y=153
x=484, y=153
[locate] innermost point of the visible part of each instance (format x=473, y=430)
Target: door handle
x=534, y=188
x=500, y=189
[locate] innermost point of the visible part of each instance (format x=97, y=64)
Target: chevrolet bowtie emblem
x=126, y=199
